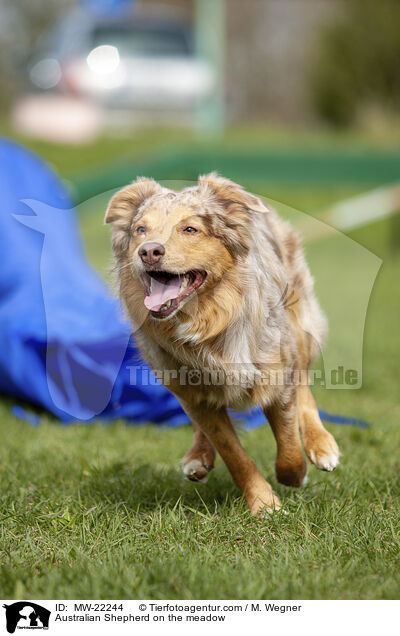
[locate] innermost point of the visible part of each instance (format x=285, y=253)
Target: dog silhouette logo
x=26, y=615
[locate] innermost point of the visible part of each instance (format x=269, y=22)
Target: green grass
x=103, y=512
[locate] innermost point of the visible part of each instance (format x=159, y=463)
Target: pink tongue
x=162, y=293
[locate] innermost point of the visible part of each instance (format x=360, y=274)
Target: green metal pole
x=210, y=21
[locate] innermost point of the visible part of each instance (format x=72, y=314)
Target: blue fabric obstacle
x=64, y=344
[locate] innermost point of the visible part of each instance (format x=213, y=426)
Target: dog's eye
x=140, y=229
x=190, y=229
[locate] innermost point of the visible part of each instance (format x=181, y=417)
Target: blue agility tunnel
x=64, y=344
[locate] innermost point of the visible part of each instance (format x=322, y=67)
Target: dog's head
x=175, y=245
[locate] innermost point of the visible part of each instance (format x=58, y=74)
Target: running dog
x=216, y=284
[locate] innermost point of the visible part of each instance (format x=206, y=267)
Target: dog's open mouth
x=164, y=291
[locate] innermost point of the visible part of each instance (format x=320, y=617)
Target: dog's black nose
x=150, y=253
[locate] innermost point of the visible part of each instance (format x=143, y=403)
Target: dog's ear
x=123, y=208
x=126, y=202
x=230, y=219
x=227, y=192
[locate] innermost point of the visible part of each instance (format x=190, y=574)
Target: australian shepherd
x=216, y=285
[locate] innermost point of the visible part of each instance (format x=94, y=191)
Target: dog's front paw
x=294, y=475
x=323, y=452
x=261, y=499
x=196, y=470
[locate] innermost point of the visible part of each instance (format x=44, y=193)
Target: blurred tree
x=23, y=23
x=267, y=57
x=357, y=62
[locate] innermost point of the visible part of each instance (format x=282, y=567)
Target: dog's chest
x=229, y=372
x=229, y=380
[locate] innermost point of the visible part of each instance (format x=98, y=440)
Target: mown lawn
x=102, y=511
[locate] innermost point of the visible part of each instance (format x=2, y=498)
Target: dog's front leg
x=216, y=425
x=320, y=446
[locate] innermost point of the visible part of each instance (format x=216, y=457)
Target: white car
x=140, y=63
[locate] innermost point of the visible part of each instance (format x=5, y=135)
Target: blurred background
x=298, y=100
x=279, y=94
x=206, y=64
x=214, y=79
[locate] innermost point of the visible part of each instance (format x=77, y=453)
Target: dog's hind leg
x=320, y=446
x=218, y=428
x=199, y=460
x=290, y=465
